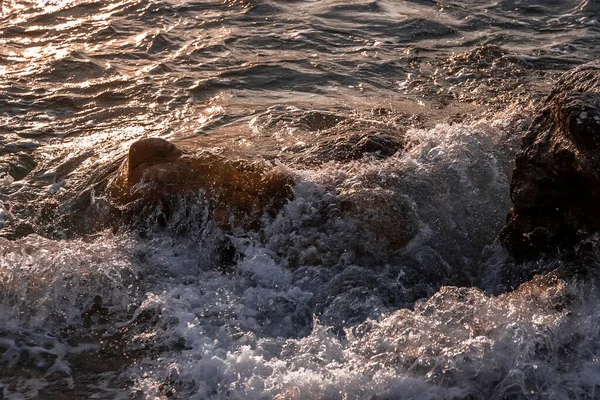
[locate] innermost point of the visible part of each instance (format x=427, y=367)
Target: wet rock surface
x=555, y=187
x=239, y=191
x=353, y=146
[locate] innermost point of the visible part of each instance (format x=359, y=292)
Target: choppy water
x=321, y=303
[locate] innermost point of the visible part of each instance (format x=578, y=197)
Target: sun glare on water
x=45, y=6
x=54, y=5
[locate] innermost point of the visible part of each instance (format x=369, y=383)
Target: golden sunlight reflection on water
x=54, y=5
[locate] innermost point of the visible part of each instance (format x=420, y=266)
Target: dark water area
x=380, y=278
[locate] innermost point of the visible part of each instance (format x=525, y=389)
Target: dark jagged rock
x=239, y=191
x=555, y=186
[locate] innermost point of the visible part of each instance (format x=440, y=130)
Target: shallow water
x=380, y=279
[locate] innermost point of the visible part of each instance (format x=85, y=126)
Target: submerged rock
x=16, y=165
x=348, y=147
x=555, y=186
x=239, y=191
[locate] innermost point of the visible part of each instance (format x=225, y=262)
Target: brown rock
x=151, y=150
x=555, y=186
x=239, y=191
x=354, y=147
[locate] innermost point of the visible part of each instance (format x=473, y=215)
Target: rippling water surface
x=325, y=300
